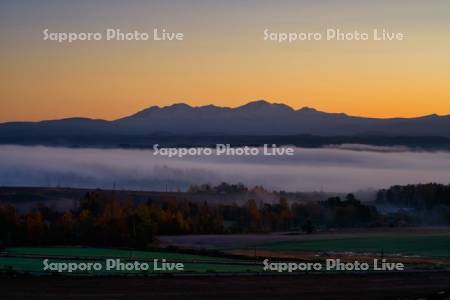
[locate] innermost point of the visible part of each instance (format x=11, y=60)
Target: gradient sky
x=223, y=59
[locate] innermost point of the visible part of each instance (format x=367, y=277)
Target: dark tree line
x=101, y=219
x=419, y=196
x=223, y=188
x=104, y=219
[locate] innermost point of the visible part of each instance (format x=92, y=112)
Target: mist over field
x=344, y=169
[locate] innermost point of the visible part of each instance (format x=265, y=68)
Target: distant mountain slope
x=255, y=118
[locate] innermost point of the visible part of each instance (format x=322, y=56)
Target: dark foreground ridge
x=424, y=285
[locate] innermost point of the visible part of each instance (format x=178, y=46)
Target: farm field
x=30, y=259
x=102, y=253
x=416, y=247
x=421, y=285
x=413, y=245
x=241, y=241
x=428, y=247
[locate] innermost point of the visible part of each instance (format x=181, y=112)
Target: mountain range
x=258, y=118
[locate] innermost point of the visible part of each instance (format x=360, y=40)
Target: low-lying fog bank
x=327, y=169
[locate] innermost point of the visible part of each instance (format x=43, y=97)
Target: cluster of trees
x=223, y=188
x=419, y=203
x=102, y=219
x=419, y=196
x=105, y=219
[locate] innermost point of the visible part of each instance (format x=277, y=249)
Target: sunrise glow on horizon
x=223, y=59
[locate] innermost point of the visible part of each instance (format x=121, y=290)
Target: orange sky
x=223, y=59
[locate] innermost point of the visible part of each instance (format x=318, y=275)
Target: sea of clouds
x=333, y=169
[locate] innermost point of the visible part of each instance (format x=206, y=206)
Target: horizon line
x=265, y=101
